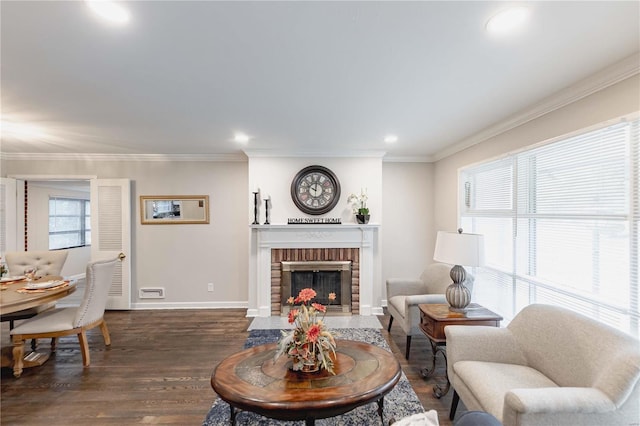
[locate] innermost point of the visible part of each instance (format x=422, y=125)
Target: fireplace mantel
x=264, y=238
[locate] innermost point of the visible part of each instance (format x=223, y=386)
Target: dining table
x=17, y=294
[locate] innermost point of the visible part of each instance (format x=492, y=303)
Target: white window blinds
x=69, y=223
x=561, y=224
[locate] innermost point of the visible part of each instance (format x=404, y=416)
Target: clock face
x=315, y=190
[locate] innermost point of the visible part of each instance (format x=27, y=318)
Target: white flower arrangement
x=359, y=202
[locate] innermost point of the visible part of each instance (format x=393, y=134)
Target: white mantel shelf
x=316, y=226
x=264, y=238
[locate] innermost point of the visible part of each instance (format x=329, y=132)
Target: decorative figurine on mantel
x=267, y=203
x=359, y=206
x=255, y=207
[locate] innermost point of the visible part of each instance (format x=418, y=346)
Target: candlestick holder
x=266, y=211
x=255, y=209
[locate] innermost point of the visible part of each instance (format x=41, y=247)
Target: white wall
x=407, y=235
x=181, y=258
x=615, y=101
x=273, y=175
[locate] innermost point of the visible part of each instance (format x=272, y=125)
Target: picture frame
x=174, y=209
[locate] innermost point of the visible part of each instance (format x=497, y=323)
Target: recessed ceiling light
x=508, y=20
x=109, y=10
x=241, y=138
x=391, y=139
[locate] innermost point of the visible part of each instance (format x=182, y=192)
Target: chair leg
x=18, y=353
x=406, y=353
x=34, y=342
x=454, y=405
x=390, y=322
x=105, y=333
x=84, y=348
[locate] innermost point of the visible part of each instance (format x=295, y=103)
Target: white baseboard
x=188, y=305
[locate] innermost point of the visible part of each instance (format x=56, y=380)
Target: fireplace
x=273, y=244
x=324, y=277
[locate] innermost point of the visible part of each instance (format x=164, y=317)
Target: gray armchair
x=404, y=296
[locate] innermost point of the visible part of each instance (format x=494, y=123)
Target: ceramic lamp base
x=458, y=296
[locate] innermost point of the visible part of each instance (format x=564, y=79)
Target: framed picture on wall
x=174, y=209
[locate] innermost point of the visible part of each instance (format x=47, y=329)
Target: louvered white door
x=111, y=234
x=8, y=222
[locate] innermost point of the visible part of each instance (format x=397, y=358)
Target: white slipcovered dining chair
x=47, y=263
x=405, y=294
x=72, y=320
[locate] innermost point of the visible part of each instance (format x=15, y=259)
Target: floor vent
x=152, y=293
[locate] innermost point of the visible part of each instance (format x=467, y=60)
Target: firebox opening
x=324, y=277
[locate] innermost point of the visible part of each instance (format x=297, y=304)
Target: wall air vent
x=152, y=293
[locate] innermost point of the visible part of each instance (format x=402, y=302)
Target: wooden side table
x=435, y=317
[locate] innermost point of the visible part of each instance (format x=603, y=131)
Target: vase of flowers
x=310, y=346
x=359, y=206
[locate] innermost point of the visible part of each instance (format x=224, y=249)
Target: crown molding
x=121, y=157
x=609, y=76
x=318, y=154
x=408, y=159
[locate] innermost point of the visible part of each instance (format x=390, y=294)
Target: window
x=562, y=226
x=69, y=223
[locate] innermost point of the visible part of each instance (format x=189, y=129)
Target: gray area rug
x=402, y=401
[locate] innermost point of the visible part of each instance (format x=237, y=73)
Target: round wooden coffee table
x=252, y=380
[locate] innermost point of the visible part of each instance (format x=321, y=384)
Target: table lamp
x=459, y=249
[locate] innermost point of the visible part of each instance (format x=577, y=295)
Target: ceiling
x=327, y=78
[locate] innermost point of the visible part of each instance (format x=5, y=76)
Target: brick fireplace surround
x=272, y=244
x=314, y=255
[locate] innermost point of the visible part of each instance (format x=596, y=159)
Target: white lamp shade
x=459, y=249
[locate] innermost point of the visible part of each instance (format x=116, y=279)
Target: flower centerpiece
x=309, y=345
x=359, y=206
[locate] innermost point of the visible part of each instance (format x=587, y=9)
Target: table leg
x=310, y=422
x=438, y=389
x=428, y=371
x=232, y=418
x=381, y=408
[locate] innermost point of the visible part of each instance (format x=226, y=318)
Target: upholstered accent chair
x=73, y=320
x=405, y=294
x=48, y=263
x=549, y=366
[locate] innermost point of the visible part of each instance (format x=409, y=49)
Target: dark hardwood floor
x=156, y=371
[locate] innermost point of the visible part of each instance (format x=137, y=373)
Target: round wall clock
x=315, y=190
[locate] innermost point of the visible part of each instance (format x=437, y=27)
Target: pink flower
x=292, y=315
x=332, y=296
x=319, y=307
x=290, y=300
x=313, y=333
x=305, y=295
